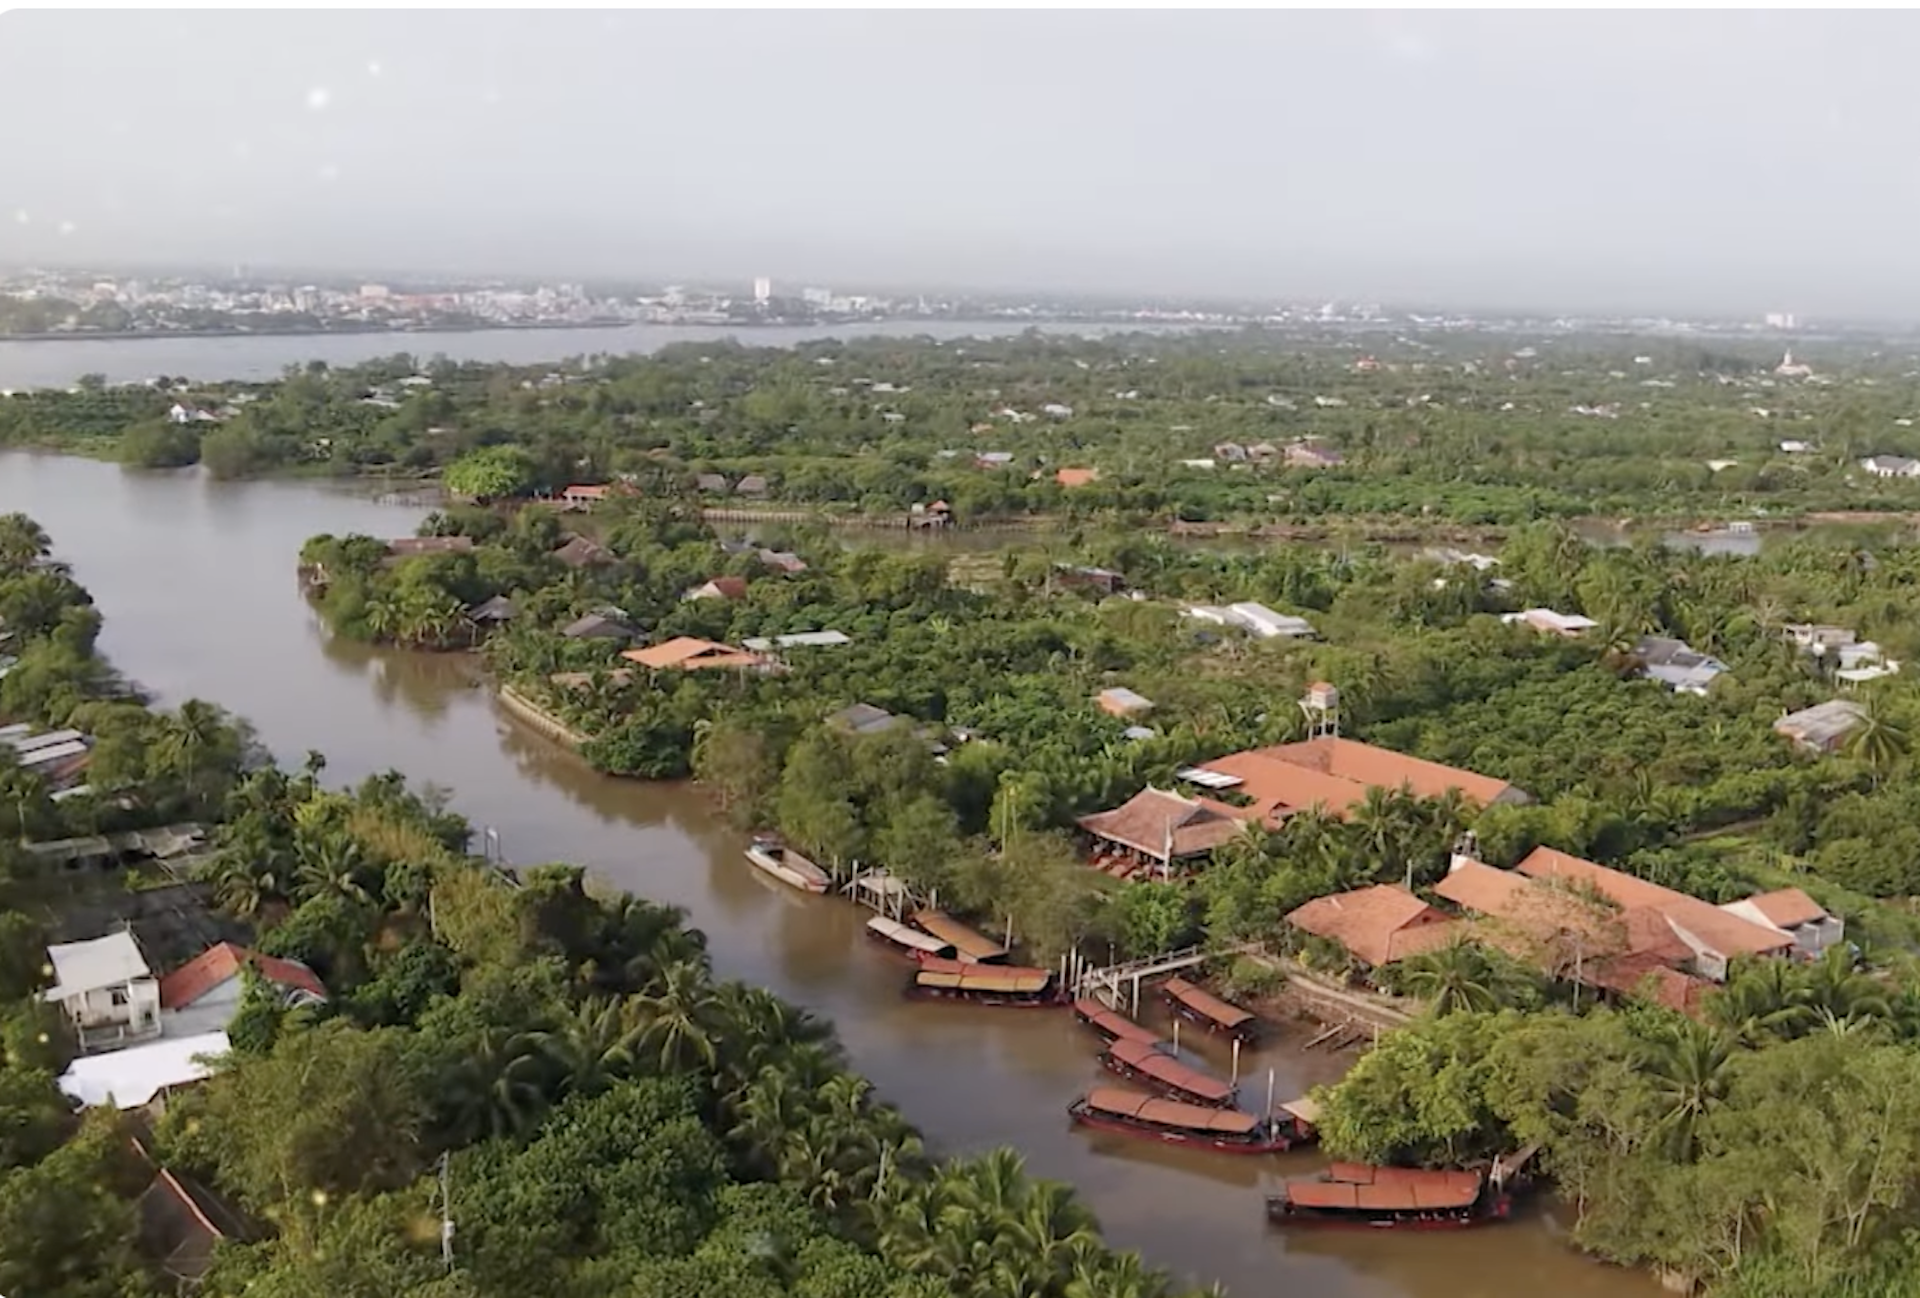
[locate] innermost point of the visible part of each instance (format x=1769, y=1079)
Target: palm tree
x=679, y=1018
x=187, y=734
x=1115, y=1275
x=593, y=1047
x=1878, y=742
x=23, y=542
x=1767, y=998
x=1837, y=989
x=500, y=1089
x=1691, y=1069
x=1457, y=976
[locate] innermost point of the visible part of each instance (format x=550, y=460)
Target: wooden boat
x=1389, y=1198
x=1306, y=1118
x=1198, y=1005
x=1111, y=1024
x=774, y=858
x=973, y=948
x=978, y=984
x=1229, y=1131
x=1148, y=1064
x=908, y=940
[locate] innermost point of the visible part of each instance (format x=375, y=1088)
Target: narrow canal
x=196, y=581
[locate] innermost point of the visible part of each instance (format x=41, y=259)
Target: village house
x=1071, y=478
x=1079, y=577
x=1156, y=828
x=728, y=588
x=204, y=994
x=1547, y=621
x=939, y=514
x=1377, y=926
x=754, y=484
x=689, y=653
x=581, y=552
x=105, y=990
x=711, y=482
x=1677, y=665
x=143, y=1076
x=1714, y=936
x=1824, y=727
x=606, y=625
x=1793, y=912
x=993, y=459
x=583, y=498
x=495, y=612
x=1122, y=702
x=797, y=640
x=1309, y=453
x=782, y=561
x=1891, y=466
x=1230, y=452
x=59, y=758
x=865, y=719
x=1255, y=619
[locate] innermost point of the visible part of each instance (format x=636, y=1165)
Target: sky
x=1704, y=161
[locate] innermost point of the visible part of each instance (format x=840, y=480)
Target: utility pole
x=446, y=1214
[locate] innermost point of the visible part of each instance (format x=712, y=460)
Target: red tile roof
x=1336, y=773
x=1788, y=907
x=219, y=964
x=690, y=653
x=1724, y=933
x=1379, y=925
x=1145, y=821
x=1076, y=477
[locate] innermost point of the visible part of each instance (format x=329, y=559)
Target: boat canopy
x=1357, y=1187
x=1118, y=1103
x=968, y=943
x=1112, y=1023
x=1207, y=1005
x=1305, y=1109
x=911, y=938
x=1148, y=1060
x=962, y=976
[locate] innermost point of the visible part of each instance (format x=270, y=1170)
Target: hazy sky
x=1704, y=160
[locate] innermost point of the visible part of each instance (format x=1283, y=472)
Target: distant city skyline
x=1594, y=162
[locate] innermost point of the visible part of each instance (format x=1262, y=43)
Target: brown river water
x=196, y=581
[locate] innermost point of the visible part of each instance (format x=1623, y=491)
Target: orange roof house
x=689, y=653
x=1714, y=936
x=1077, y=477
x=1335, y=774
x=219, y=966
x=727, y=588
x=1377, y=925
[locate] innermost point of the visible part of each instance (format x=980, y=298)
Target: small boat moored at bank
x=1306, y=1118
x=1111, y=1024
x=907, y=939
x=772, y=857
x=1148, y=1064
x=1389, y=1198
x=978, y=984
x=1198, y=1005
x=973, y=948
x=1229, y=1131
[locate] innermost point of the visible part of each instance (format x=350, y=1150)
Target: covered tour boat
x=1306, y=1118
x=904, y=938
x=971, y=946
x=1148, y=1064
x=1229, y=1131
x=1111, y=1024
x=979, y=984
x=775, y=859
x=1391, y=1198
x=1198, y=1005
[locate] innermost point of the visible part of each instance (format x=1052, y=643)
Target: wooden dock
x=1118, y=986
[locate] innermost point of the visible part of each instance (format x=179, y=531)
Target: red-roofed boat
x=1227, y=1131
x=1198, y=1005
x=1148, y=1064
x=1389, y=1198
x=1111, y=1024
x=984, y=984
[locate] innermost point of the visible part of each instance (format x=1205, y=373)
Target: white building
x=136, y=1077
x=1794, y=913
x=1256, y=619
x=1545, y=619
x=762, y=290
x=1891, y=466
x=106, y=990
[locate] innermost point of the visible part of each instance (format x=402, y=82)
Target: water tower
x=1321, y=705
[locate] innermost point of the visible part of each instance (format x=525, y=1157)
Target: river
x=251, y=357
x=196, y=581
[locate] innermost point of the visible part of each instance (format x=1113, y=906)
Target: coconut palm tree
x=593, y=1046
x=187, y=734
x=1690, y=1068
x=1836, y=989
x=679, y=1018
x=1457, y=976
x=500, y=1090
x=1878, y=742
x=1767, y=998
